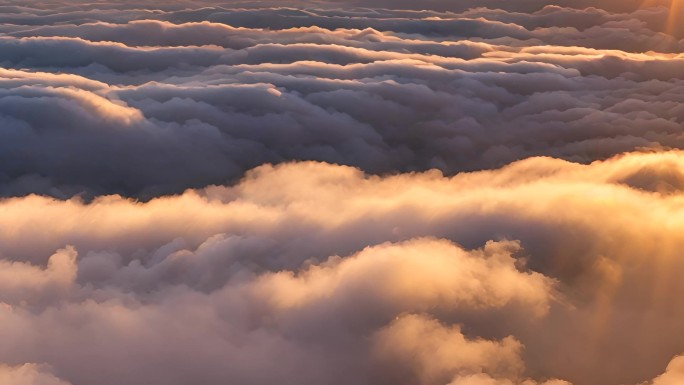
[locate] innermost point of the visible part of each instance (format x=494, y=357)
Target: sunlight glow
x=674, y=21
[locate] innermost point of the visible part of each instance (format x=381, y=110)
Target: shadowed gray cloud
x=387, y=91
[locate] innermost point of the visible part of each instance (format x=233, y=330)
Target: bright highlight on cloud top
x=473, y=192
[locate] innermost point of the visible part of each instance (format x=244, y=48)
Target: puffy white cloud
x=320, y=268
x=252, y=320
x=420, y=350
x=21, y=282
x=674, y=374
x=28, y=374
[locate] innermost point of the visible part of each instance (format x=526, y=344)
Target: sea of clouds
x=464, y=192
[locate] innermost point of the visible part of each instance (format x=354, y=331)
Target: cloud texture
x=339, y=277
x=481, y=193
x=198, y=97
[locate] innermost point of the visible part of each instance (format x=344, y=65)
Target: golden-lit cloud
x=674, y=374
x=294, y=261
x=28, y=374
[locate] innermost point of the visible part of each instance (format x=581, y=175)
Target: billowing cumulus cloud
x=674, y=373
x=28, y=374
x=415, y=278
x=438, y=193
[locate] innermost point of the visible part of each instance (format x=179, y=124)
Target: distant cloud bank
x=148, y=102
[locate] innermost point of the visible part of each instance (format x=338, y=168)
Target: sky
x=337, y=192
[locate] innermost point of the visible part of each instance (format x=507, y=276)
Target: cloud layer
x=198, y=97
x=481, y=193
x=339, y=277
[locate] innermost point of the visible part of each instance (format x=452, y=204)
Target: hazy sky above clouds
x=476, y=192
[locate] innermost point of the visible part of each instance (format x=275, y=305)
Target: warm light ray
x=674, y=20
